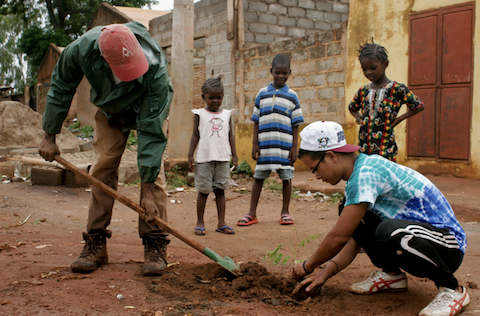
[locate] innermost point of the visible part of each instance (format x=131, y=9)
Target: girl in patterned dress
x=375, y=106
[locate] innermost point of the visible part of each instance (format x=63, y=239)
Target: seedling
x=275, y=257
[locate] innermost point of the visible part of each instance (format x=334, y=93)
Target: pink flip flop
x=286, y=219
x=247, y=220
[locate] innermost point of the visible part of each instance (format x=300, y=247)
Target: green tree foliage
x=11, y=59
x=49, y=21
x=34, y=43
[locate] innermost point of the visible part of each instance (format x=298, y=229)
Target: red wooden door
x=440, y=73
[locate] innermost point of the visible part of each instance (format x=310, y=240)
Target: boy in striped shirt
x=276, y=118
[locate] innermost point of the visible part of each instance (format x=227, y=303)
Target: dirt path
x=35, y=278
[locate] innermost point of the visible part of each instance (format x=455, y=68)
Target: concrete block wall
x=267, y=21
x=219, y=61
x=318, y=63
x=212, y=50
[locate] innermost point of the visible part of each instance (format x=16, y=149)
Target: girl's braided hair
x=212, y=83
x=372, y=49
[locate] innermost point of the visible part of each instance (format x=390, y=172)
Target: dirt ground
x=35, y=257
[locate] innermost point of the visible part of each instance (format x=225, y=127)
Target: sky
x=165, y=5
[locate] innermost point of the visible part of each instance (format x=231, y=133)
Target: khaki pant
x=109, y=143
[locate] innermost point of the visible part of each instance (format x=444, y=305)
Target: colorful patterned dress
x=379, y=109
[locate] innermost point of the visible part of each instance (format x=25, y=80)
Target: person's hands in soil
x=147, y=200
x=311, y=282
x=299, y=272
x=48, y=148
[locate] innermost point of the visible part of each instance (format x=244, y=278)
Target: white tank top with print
x=213, y=128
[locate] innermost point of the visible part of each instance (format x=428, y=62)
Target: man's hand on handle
x=48, y=148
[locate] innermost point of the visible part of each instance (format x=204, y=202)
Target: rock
x=182, y=164
x=86, y=146
x=241, y=284
x=132, y=176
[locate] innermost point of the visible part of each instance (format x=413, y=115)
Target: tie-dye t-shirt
x=395, y=191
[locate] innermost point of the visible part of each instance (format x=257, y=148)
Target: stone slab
x=46, y=175
x=24, y=151
x=74, y=181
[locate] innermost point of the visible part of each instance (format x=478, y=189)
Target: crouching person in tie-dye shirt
x=400, y=218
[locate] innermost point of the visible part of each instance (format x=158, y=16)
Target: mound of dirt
x=21, y=126
x=211, y=281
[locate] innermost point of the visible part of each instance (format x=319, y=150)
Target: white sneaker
x=381, y=281
x=448, y=302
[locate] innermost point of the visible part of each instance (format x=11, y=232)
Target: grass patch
x=335, y=198
x=82, y=131
x=273, y=185
x=175, y=179
x=134, y=183
x=132, y=139
x=243, y=168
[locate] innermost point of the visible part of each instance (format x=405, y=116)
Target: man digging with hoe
x=131, y=87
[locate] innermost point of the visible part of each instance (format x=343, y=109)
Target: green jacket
x=141, y=104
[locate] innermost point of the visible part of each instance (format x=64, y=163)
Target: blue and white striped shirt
x=276, y=111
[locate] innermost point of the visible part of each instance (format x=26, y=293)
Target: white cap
x=325, y=136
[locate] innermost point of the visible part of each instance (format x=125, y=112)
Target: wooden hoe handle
x=134, y=206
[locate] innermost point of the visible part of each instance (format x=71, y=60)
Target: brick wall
x=269, y=21
x=318, y=73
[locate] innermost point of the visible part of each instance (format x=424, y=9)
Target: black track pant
x=420, y=249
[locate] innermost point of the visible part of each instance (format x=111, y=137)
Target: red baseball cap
x=123, y=53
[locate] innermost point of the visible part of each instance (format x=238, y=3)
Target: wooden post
x=241, y=77
x=181, y=117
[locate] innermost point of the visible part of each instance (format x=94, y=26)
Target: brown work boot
x=93, y=255
x=155, y=255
